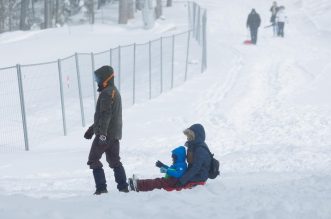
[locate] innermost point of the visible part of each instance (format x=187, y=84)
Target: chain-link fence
x=46, y=100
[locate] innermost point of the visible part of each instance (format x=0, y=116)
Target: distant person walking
x=281, y=19
x=253, y=23
x=274, y=9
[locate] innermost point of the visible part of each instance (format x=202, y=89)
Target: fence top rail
x=35, y=64
x=68, y=57
x=5, y=68
x=142, y=44
x=83, y=53
x=128, y=45
x=100, y=53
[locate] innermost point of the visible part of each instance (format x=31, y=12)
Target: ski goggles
x=99, y=79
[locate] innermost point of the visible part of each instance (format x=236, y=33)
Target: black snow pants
x=112, y=150
x=253, y=31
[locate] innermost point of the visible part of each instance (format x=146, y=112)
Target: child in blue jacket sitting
x=172, y=173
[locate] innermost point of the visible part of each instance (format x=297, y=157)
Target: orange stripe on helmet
x=105, y=83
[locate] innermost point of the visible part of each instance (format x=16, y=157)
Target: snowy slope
x=267, y=114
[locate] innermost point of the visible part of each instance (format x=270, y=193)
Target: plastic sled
x=187, y=186
x=247, y=42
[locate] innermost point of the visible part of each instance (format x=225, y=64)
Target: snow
x=266, y=110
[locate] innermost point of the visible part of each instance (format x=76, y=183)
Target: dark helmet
x=104, y=76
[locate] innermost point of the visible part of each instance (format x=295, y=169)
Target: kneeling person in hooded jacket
x=198, y=157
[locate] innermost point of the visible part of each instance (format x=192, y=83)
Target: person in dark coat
x=253, y=23
x=172, y=173
x=274, y=9
x=107, y=128
x=198, y=157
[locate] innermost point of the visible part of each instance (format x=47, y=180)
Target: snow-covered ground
x=266, y=110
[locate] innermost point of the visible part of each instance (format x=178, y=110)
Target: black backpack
x=214, y=169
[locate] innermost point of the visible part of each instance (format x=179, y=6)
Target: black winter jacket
x=253, y=20
x=108, y=114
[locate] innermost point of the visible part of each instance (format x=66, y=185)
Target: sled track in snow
x=216, y=95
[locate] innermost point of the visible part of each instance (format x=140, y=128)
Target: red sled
x=248, y=42
x=187, y=186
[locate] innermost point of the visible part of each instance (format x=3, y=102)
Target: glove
x=102, y=140
x=159, y=164
x=163, y=170
x=89, y=133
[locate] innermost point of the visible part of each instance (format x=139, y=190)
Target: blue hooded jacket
x=177, y=169
x=198, y=169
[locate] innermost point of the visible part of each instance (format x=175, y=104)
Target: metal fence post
x=119, y=68
x=204, y=42
x=134, y=75
x=93, y=83
x=111, y=57
x=172, y=61
x=20, y=87
x=161, y=65
x=198, y=25
x=150, y=69
x=187, y=53
x=189, y=8
x=194, y=19
x=80, y=90
x=64, y=122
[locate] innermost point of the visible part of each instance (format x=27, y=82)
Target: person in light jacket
x=281, y=18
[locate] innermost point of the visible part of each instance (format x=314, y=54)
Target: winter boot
x=131, y=186
x=120, y=179
x=125, y=190
x=100, y=181
x=99, y=192
x=133, y=183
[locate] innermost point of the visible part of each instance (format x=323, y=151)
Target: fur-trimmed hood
x=199, y=133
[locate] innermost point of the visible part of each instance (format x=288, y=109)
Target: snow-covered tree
x=158, y=9
x=123, y=12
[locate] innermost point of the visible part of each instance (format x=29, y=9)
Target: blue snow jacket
x=198, y=157
x=177, y=169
